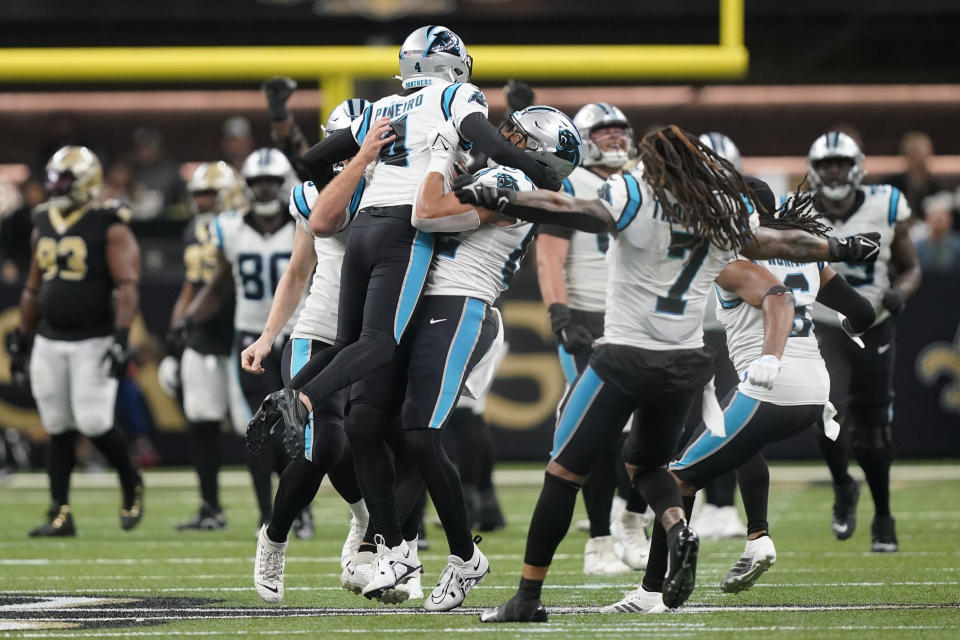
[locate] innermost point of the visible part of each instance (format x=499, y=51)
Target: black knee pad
x=871, y=437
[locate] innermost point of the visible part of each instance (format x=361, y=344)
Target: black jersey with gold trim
x=215, y=336
x=76, y=289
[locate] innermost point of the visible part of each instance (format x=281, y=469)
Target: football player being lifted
x=200, y=357
x=572, y=272
x=861, y=379
x=75, y=312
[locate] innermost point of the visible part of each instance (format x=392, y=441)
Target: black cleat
x=683, y=546
x=883, y=533
x=207, y=518
x=263, y=423
x=132, y=513
x=845, y=498
x=59, y=523
x=516, y=610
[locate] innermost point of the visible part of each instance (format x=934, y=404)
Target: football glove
x=469, y=191
x=862, y=247
x=893, y=300
x=177, y=336
x=519, y=95
x=852, y=333
x=168, y=375
x=18, y=346
x=762, y=372
x=574, y=337
x=117, y=356
x=278, y=90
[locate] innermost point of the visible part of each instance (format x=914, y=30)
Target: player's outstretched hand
x=252, y=356
x=117, y=357
x=278, y=90
x=862, y=247
x=469, y=191
x=379, y=135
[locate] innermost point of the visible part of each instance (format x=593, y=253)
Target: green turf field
x=156, y=582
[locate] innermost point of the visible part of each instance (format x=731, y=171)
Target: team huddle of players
x=404, y=251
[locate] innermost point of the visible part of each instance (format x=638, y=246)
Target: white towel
x=711, y=411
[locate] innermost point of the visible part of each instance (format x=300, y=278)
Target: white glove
x=762, y=372
x=444, y=143
x=168, y=375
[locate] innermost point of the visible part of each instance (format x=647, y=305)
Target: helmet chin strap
x=266, y=209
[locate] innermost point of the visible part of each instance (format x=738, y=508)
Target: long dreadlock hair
x=795, y=213
x=698, y=189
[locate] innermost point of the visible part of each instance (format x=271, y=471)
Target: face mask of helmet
x=613, y=146
x=834, y=176
x=59, y=185
x=266, y=191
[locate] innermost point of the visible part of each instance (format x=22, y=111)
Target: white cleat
x=268, y=567
x=632, y=543
x=600, y=558
x=391, y=566
x=412, y=588
x=456, y=580
x=350, y=546
x=758, y=556
x=638, y=601
x=357, y=572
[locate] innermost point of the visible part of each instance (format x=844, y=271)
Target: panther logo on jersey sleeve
x=506, y=181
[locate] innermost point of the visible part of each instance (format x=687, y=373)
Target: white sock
x=359, y=510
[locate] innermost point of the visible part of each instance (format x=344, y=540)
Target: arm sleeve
x=476, y=128
x=840, y=296
x=554, y=230
x=338, y=146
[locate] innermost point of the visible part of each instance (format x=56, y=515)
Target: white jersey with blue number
x=480, y=263
x=881, y=207
x=257, y=262
x=585, y=269
x=656, y=289
x=414, y=118
x=803, y=376
x=318, y=316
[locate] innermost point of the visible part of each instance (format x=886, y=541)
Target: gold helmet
x=74, y=178
x=220, y=178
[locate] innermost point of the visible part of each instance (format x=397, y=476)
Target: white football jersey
x=878, y=207
x=480, y=263
x=585, y=269
x=318, y=316
x=257, y=261
x=803, y=376
x=414, y=118
x=656, y=289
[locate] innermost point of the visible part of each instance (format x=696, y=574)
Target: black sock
x=657, y=560
x=720, y=489
x=836, y=456
x=113, y=445
x=206, y=459
x=754, y=479
x=659, y=489
x=875, y=463
x=550, y=520
x=530, y=589
x=598, y=494
x=260, y=466
x=297, y=487
x=443, y=485
x=61, y=459
x=374, y=466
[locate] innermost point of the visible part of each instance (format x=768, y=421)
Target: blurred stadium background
x=156, y=87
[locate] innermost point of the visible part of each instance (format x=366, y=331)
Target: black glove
x=177, y=336
x=278, y=90
x=469, y=191
x=893, y=300
x=18, y=346
x=862, y=247
x=519, y=95
x=574, y=337
x=117, y=356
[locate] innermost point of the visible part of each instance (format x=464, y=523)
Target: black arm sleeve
x=487, y=139
x=580, y=220
x=320, y=158
x=840, y=296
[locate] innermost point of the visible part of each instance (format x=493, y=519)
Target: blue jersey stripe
x=568, y=364
x=446, y=99
x=365, y=124
x=567, y=185
x=458, y=358
x=894, y=205
x=420, y=256
x=299, y=357
x=735, y=417
x=355, y=200
x=218, y=232
x=634, y=200
x=584, y=390
x=300, y=201
x=727, y=304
